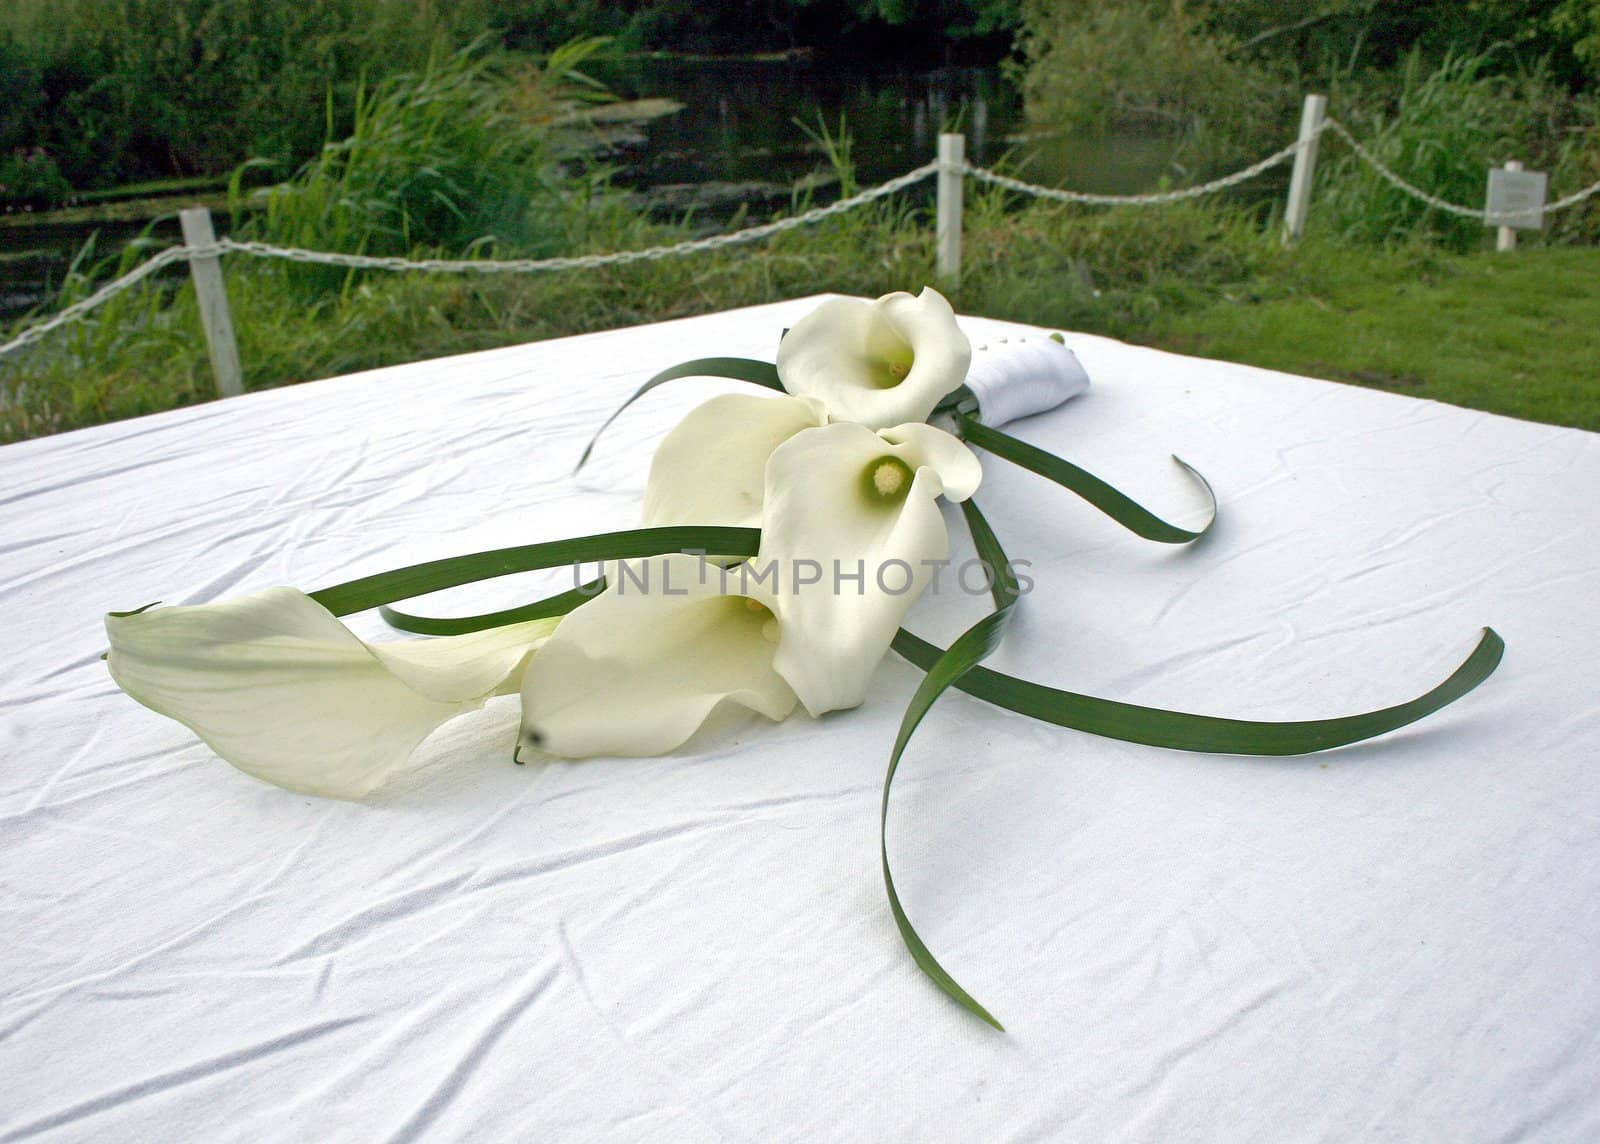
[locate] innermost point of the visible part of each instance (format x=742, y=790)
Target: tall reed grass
x=110, y=91
x=144, y=350
x=1442, y=127
x=458, y=158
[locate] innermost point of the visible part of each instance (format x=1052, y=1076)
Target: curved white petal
x=871, y=559
x=636, y=670
x=711, y=468
x=877, y=363
x=277, y=686
x=923, y=446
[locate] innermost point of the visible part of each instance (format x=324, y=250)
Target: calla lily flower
x=860, y=510
x=822, y=512
x=278, y=687
x=637, y=670
x=712, y=467
x=878, y=363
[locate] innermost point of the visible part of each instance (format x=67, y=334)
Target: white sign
x=1516, y=199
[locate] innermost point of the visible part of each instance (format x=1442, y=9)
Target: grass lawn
x=1515, y=333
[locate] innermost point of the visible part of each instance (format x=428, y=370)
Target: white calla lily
x=279, y=688
x=637, y=670
x=711, y=468
x=858, y=511
x=878, y=363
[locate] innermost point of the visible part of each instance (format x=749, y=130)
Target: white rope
x=1250, y=172
x=476, y=265
x=749, y=234
x=107, y=292
x=582, y=261
x=1481, y=215
x=1573, y=199
x=1415, y=192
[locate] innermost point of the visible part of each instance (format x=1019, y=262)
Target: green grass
x=1508, y=333
x=143, y=351
x=464, y=156
x=1511, y=333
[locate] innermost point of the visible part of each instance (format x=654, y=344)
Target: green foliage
x=112, y=91
x=1439, y=91
x=456, y=156
x=435, y=151
x=1113, y=271
x=1100, y=64
x=116, y=90
x=29, y=175
x=1579, y=21
x=1442, y=130
x=144, y=351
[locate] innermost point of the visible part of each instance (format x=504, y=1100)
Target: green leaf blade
x=945, y=671
x=1182, y=731
x=762, y=373
x=451, y=572
x=1114, y=503
x=557, y=605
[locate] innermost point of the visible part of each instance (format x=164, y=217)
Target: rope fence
x=1480, y=214
x=951, y=168
x=101, y=296
x=580, y=261
x=1160, y=198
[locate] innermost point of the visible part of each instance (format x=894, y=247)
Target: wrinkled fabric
x=1391, y=941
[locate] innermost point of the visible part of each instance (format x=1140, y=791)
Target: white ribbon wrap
x=1018, y=377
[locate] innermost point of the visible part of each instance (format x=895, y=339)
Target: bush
x=432, y=159
x=1442, y=128
x=120, y=90
x=1103, y=64
x=30, y=176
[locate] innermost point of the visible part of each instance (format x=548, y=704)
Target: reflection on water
x=739, y=124
x=742, y=123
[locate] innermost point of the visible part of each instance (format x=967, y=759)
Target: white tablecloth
x=1394, y=941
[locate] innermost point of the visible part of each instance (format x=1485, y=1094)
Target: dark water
x=755, y=120
x=743, y=122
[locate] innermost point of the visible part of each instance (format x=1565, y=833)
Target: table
x=1394, y=941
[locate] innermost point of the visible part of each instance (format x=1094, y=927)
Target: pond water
x=743, y=121
x=757, y=120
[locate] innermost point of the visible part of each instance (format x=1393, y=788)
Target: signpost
x=1516, y=202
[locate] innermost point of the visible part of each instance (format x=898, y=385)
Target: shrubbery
x=115, y=91
x=1439, y=91
x=122, y=90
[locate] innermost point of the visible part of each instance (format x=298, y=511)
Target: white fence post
x=952, y=164
x=1305, y=166
x=1506, y=237
x=212, y=296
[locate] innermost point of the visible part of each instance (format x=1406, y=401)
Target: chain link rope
x=983, y=175
x=748, y=234
x=107, y=292
x=582, y=261
x=1480, y=214
x=462, y=265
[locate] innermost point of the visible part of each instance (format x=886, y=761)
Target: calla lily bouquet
x=785, y=535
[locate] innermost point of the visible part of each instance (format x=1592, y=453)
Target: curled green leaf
x=451, y=572
x=1109, y=500
x=943, y=672
x=762, y=373
x=1211, y=734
